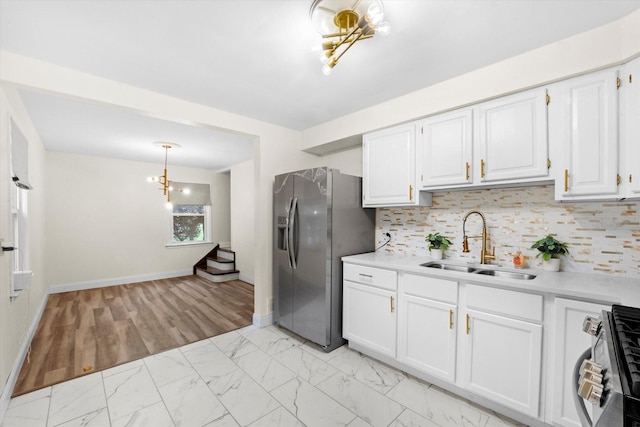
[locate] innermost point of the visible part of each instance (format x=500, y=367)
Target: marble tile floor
x=250, y=377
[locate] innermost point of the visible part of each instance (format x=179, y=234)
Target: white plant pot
x=436, y=253
x=552, y=265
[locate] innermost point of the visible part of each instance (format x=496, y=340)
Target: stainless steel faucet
x=484, y=256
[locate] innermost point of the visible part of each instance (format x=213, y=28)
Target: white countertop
x=591, y=287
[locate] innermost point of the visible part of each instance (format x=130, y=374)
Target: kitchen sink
x=451, y=267
x=507, y=274
x=479, y=270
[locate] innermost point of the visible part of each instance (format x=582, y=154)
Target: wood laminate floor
x=86, y=331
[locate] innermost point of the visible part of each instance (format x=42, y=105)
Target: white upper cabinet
x=513, y=137
x=498, y=142
x=630, y=126
x=587, y=134
x=389, y=167
x=445, y=149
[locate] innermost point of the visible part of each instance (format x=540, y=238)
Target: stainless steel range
x=607, y=375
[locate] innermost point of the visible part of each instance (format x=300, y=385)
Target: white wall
x=221, y=212
x=243, y=219
x=16, y=317
x=105, y=223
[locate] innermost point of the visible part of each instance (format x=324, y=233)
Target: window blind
x=199, y=194
x=19, y=157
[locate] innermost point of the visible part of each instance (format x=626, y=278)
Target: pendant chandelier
x=343, y=22
x=164, y=179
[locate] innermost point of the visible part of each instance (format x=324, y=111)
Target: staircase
x=219, y=265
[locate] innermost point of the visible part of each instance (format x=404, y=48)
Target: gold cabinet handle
x=566, y=180
x=450, y=319
x=481, y=168
x=391, y=303
x=467, y=170
x=410, y=192
x=468, y=324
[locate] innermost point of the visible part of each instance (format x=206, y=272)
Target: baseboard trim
x=262, y=320
x=246, y=278
x=79, y=286
x=17, y=365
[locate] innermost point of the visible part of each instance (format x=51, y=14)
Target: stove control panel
x=590, y=385
x=591, y=325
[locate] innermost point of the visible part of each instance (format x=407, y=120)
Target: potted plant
x=437, y=244
x=550, y=249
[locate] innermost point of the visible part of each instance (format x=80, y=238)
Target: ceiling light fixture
x=164, y=179
x=342, y=23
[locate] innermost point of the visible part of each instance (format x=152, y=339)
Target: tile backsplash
x=603, y=237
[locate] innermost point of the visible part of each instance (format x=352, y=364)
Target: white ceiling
x=253, y=58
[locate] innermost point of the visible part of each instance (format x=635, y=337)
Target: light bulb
x=326, y=69
x=375, y=15
x=170, y=188
x=169, y=205
x=383, y=29
x=186, y=191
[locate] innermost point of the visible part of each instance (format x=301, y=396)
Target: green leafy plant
x=550, y=247
x=437, y=241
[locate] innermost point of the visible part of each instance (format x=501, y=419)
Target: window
x=190, y=224
x=21, y=275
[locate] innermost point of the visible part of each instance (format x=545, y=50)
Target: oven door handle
x=585, y=420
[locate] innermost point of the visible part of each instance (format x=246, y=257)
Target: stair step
x=221, y=264
x=216, y=275
x=226, y=254
x=220, y=260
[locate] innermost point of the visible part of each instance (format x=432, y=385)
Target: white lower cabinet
x=502, y=346
x=502, y=360
x=427, y=325
x=569, y=342
x=369, y=308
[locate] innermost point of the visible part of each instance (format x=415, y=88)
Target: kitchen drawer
x=429, y=287
x=385, y=279
x=500, y=301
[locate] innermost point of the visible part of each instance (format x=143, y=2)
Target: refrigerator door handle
x=286, y=232
x=292, y=236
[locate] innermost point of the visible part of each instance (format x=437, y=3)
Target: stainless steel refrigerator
x=318, y=218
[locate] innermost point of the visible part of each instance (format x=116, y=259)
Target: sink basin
x=450, y=267
x=507, y=274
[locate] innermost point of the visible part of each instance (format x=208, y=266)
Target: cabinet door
x=569, y=342
x=445, y=149
x=502, y=360
x=369, y=317
x=427, y=336
x=589, y=135
x=630, y=138
x=389, y=167
x=513, y=137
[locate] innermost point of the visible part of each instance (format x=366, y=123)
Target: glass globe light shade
x=383, y=29
x=375, y=15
